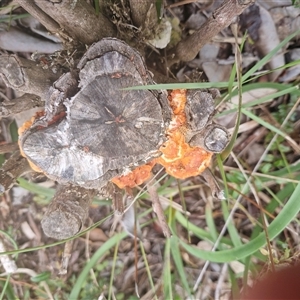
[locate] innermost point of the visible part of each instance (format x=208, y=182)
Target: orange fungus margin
x=178, y=158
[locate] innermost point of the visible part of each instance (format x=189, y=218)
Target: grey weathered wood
x=22, y=103
x=222, y=17
x=214, y=138
x=77, y=19
x=202, y=132
x=14, y=167
x=199, y=109
x=67, y=212
x=107, y=130
x=8, y=147
x=24, y=75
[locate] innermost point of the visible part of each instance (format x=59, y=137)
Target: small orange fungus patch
x=28, y=123
x=179, y=159
x=138, y=176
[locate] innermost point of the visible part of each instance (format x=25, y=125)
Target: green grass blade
x=230, y=146
x=167, y=285
x=35, y=188
x=234, y=235
x=148, y=269
x=98, y=254
x=97, y=8
x=267, y=58
x=199, y=232
x=211, y=222
x=262, y=100
x=288, y=213
x=179, y=265
x=263, y=123
x=171, y=86
x=7, y=289
x=13, y=17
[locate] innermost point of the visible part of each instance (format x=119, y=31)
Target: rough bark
x=217, y=192
x=25, y=76
x=17, y=105
x=157, y=208
x=8, y=148
x=111, y=129
x=13, y=168
x=77, y=19
x=188, y=48
x=67, y=211
x=43, y=17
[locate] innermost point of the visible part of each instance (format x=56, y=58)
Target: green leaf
x=167, y=285
x=41, y=277
x=98, y=254
x=288, y=213
x=267, y=58
x=179, y=264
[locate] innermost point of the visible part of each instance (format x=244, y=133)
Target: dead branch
x=25, y=76
x=217, y=192
x=17, y=105
x=76, y=18
x=188, y=48
x=8, y=148
x=112, y=191
x=67, y=211
x=66, y=257
x=13, y=168
x=157, y=208
x=36, y=12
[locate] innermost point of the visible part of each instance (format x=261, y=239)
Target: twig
x=217, y=192
x=188, y=48
x=24, y=75
x=66, y=257
x=8, y=147
x=76, y=18
x=220, y=284
x=158, y=209
x=17, y=105
x=40, y=15
x=14, y=167
x=67, y=211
